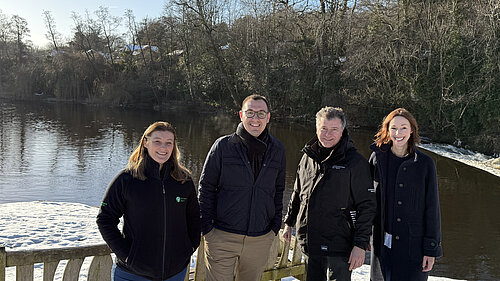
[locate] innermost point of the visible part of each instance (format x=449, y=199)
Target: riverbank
x=60, y=224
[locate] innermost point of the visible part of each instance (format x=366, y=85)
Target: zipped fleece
x=324, y=195
x=161, y=222
x=231, y=199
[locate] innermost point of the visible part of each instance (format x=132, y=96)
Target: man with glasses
x=240, y=194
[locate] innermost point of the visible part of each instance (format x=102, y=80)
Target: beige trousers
x=223, y=250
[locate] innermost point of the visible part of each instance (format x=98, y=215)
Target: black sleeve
x=294, y=205
x=278, y=195
x=193, y=217
x=364, y=201
x=111, y=210
x=432, y=219
x=209, y=183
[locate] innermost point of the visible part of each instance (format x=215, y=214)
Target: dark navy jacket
x=161, y=222
x=417, y=219
x=231, y=200
x=326, y=194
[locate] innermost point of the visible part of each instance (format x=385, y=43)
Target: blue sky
x=32, y=10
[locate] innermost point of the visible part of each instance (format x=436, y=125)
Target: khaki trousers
x=223, y=250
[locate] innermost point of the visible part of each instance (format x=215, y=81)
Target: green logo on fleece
x=104, y=204
x=180, y=199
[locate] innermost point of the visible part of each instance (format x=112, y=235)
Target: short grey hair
x=329, y=113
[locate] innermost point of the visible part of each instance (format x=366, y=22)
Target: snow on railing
x=284, y=260
x=24, y=262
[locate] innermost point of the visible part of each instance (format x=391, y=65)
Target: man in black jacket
x=333, y=204
x=240, y=194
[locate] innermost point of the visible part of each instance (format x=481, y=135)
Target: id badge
x=388, y=240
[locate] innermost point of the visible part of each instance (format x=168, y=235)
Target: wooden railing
x=24, y=261
x=278, y=265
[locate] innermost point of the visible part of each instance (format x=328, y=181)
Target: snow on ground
x=43, y=225
x=471, y=158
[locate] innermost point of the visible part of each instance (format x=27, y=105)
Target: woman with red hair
x=407, y=228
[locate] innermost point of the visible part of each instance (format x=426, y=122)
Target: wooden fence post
x=3, y=263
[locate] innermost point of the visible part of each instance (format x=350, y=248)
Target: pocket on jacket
x=416, y=247
x=182, y=249
x=233, y=173
x=268, y=191
x=270, y=174
x=232, y=208
x=142, y=263
x=336, y=187
x=267, y=178
x=344, y=228
x=130, y=256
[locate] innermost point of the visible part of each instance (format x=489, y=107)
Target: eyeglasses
x=260, y=114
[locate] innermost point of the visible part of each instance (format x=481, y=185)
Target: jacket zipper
x=164, y=229
x=253, y=190
x=251, y=199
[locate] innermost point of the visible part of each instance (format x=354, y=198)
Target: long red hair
x=383, y=135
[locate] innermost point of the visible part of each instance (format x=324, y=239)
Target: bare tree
x=208, y=14
x=109, y=25
x=86, y=39
x=4, y=36
x=145, y=24
x=52, y=34
x=19, y=28
x=178, y=17
x=134, y=32
x=131, y=25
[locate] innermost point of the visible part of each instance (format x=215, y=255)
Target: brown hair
x=256, y=97
x=136, y=162
x=383, y=136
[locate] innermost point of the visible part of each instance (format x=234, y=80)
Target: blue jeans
x=118, y=274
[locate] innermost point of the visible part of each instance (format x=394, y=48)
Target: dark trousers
x=323, y=268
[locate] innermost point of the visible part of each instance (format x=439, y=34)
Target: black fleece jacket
x=161, y=222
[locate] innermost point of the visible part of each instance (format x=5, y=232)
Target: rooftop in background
x=61, y=12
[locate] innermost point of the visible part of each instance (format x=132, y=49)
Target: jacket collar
x=235, y=139
x=338, y=152
x=385, y=148
x=254, y=145
x=152, y=168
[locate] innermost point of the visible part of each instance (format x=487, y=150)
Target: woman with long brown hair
x=157, y=199
x=407, y=228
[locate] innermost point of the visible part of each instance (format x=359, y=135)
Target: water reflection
x=68, y=152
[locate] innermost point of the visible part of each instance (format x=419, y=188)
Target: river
x=69, y=153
